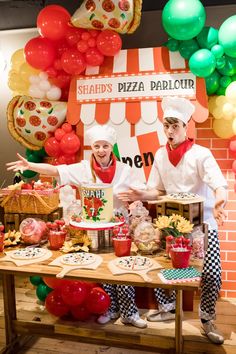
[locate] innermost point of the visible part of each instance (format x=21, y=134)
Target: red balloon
x=234, y=166
x=67, y=127
x=109, y=43
x=73, y=35
x=70, y=159
x=55, y=304
x=80, y=313
x=40, y=53
x=93, y=57
x=52, y=147
x=69, y=143
x=74, y=293
x=73, y=62
x=62, y=79
x=59, y=133
x=232, y=147
x=54, y=283
x=52, y=72
x=82, y=46
x=52, y=22
x=61, y=47
x=98, y=301
x=91, y=285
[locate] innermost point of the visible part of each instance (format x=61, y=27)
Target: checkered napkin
x=181, y=275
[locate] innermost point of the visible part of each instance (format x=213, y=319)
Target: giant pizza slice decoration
x=31, y=120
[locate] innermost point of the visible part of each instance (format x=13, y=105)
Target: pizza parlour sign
x=143, y=86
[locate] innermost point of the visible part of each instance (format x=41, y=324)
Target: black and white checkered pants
x=122, y=299
x=210, y=283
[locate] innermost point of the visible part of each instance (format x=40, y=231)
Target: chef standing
x=183, y=166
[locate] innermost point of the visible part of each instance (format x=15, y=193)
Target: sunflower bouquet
x=175, y=225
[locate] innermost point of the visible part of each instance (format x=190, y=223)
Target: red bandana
x=106, y=175
x=176, y=155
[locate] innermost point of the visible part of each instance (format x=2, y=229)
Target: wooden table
x=16, y=329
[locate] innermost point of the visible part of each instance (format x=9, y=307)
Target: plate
x=75, y=259
x=95, y=226
x=182, y=196
x=135, y=263
x=28, y=253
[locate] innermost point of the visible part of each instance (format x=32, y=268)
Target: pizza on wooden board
x=28, y=253
x=135, y=263
x=76, y=259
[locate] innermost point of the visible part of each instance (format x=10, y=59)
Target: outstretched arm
x=219, y=212
x=137, y=194
x=22, y=165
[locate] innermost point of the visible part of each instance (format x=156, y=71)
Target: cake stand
x=98, y=233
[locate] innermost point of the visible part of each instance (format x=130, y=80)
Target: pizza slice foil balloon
x=122, y=16
x=32, y=120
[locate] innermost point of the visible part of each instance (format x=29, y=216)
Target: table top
x=102, y=274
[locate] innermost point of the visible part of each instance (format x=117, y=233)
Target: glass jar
x=146, y=239
x=33, y=231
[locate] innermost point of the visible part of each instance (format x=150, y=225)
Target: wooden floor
x=194, y=342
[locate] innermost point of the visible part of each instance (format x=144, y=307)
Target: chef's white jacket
x=80, y=173
x=197, y=172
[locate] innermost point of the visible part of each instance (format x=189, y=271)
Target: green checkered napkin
x=181, y=273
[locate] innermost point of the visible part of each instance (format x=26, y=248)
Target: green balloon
x=225, y=81
x=212, y=82
x=28, y=174
x=36, y=280
x=233, y=77
x=208, y=37
x=183, y=19
x=187, y=48
x=221, y=91
x=41, y=153
x=227, y=37
x=34, y=158
x=172, y=44
x=217, y=50
x=220, y=62
x=42, y=291
x=202, y=63
x=229, y=68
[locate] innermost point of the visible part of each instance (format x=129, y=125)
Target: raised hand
x=20, y=165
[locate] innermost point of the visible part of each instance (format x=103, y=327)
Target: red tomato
x=26, y=186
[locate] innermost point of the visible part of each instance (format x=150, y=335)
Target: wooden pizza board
x=21, y=262
x=68, y=268
x=116, y=270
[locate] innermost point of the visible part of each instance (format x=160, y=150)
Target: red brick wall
x=227, y=233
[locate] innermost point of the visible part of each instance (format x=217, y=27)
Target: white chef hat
x=101, y=132
x=177, y=107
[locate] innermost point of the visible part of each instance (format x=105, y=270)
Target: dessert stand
x=98, y=233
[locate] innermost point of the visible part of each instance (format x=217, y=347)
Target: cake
x=97, y=203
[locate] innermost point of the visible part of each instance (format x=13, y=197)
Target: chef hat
x=101, y=132
x=177, y=107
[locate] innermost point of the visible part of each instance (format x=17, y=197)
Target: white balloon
x=34, y=79
x=217, y=113
x=54, y=93
x=44, y=85
x=35, y=92
x=43, y=75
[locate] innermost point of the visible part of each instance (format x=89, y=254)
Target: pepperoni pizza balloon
x=31, y=121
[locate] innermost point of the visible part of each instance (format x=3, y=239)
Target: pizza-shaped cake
x=182, y=196
x=122, y=16
x=135, y=263
x=76, y=259
x=28, y=253
x=32, y=120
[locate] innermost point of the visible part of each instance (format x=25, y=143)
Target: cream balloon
x=26, y=71
x=230, y=92
x=221, y=100
x=217, y=113
x=223, y=128
x=227, y=110
x=212, y=103
x=44, y=85
x=35, y=92
x=234, y=126
x=17, y=59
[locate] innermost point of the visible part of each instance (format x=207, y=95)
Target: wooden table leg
x=9, y=297
x=178, y=322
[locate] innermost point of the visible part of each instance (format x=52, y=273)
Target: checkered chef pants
x=122, y=299
x=210, y=284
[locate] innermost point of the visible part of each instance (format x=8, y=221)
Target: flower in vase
x=175, y=225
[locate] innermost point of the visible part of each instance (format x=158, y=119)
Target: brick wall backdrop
x=227, y=233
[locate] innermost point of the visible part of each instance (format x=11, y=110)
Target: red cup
x=180, y=258
x=122, y=246
x=1, y=241
x=56, y=239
